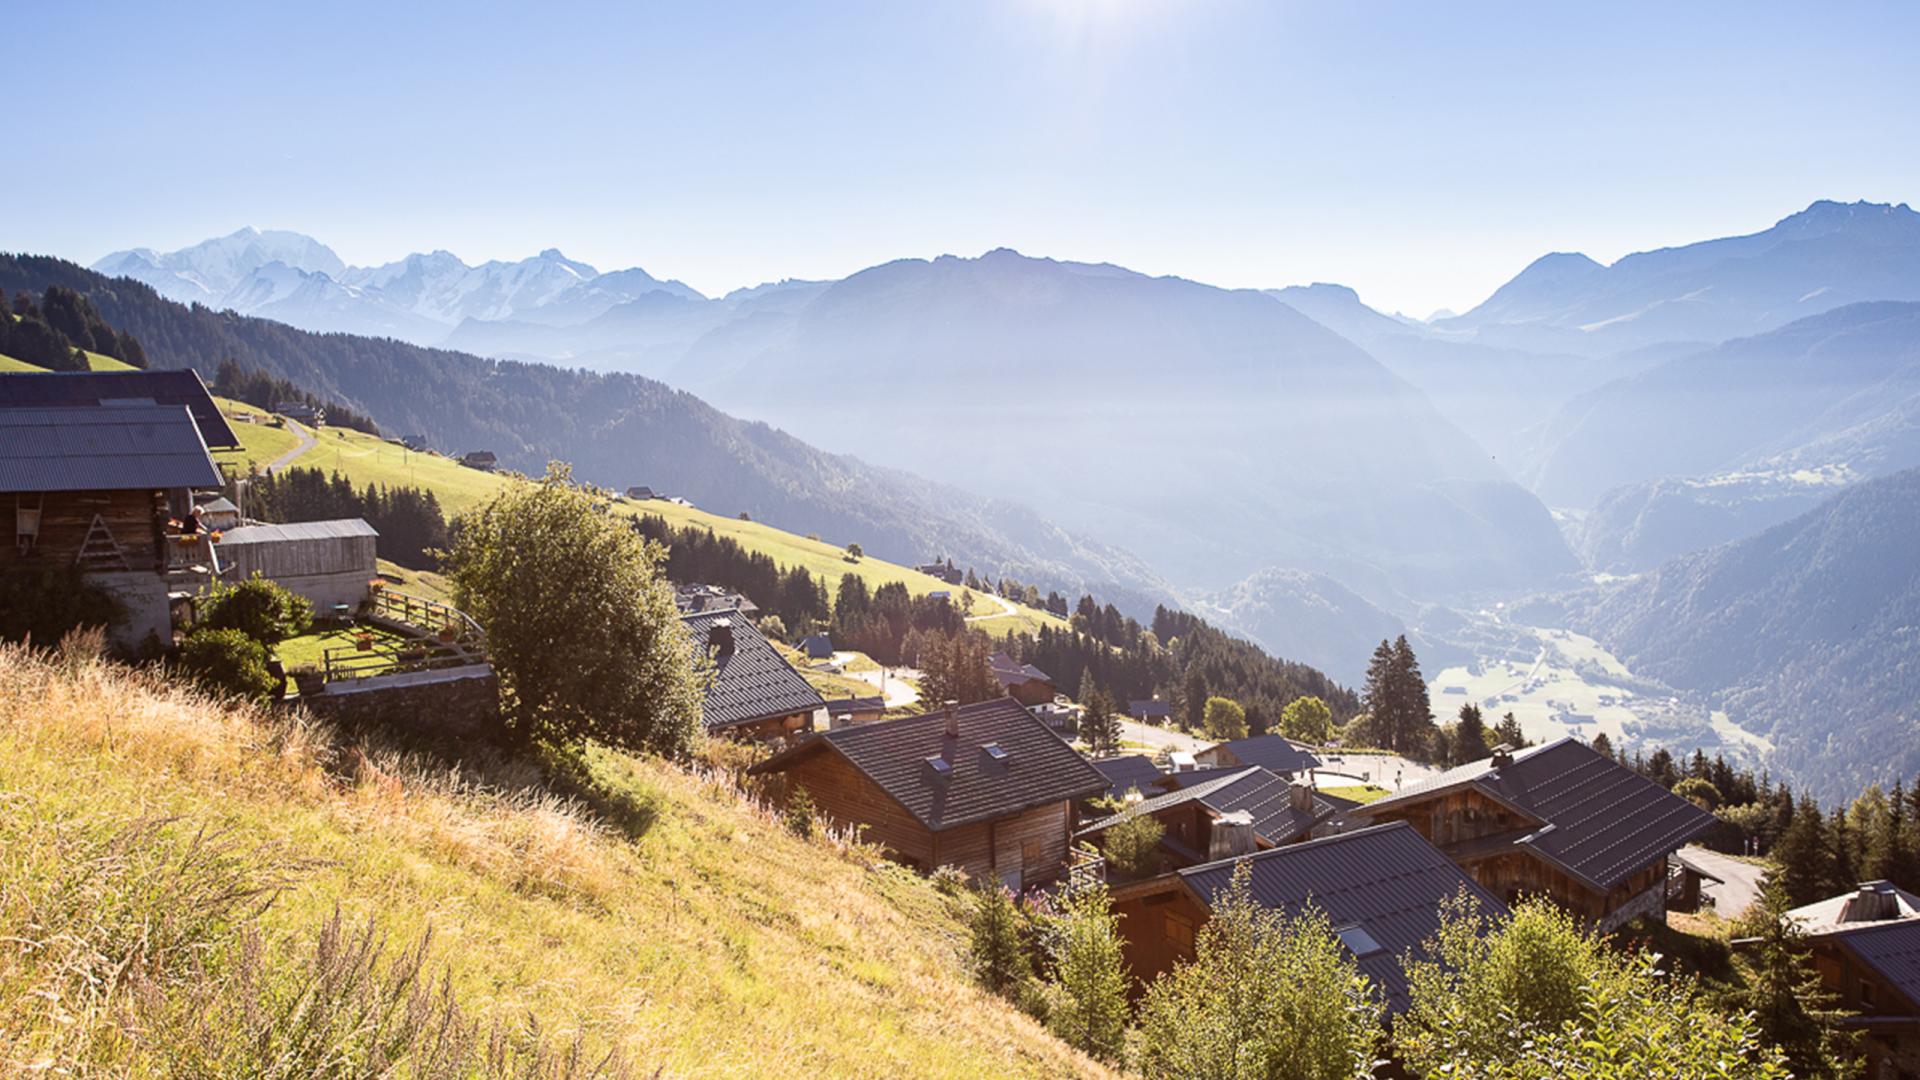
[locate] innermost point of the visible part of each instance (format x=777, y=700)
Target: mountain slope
x=617, y=430
x=1808, y=633
x=1826, y=256
x=1840, y=389
x=664, y=918
x=1309, y=618
x=1150, y=408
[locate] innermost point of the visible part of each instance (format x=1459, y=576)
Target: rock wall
x=462, y=702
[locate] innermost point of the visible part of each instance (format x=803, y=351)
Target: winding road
x=286, y=459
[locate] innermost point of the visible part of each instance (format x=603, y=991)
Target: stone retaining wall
x=462, y=702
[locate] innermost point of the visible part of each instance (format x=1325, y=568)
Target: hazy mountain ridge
x=1307, y=617
x=617, y=430
x=1807, y=632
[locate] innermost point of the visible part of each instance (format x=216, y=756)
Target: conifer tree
x=999, y=940
x=1783, y=991
x=1804, y=857
x=1089, y=983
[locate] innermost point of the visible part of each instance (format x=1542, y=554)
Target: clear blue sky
x=1422, y=152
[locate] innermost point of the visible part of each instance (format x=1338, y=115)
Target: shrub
x=999, y=945
x=228, y=661
x=799, y=813
x=258, y=607
x=1133, y=846
x=44, y=605
x=1088, y=1009
x=950, y=880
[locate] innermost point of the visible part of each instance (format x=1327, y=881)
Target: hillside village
x=1103, y=850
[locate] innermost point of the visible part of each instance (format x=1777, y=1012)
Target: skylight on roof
x=1358, y=941
x=939, y=766
x=997, y=752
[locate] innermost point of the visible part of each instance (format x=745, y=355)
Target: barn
x=328, y=562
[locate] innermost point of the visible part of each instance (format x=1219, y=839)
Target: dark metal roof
x=1267, y=798
x=1125, y=773
x=817, y=646
x=1273, y=752
x=754, y=682
x=74, y=389
x=103, y=448
x=1039, y=768
x=850, y=704
x=1891, y=949
x=1600, y=821
x=1386, y=880
x=1011, y=672
x=1149, y=707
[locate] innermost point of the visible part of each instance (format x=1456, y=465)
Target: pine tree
x=1807, y=870
x=999, y=940
x=1089, y=1009
x=799, y=813
x=1468, y=740
x=1603, y=745
x=1102, y=728
x=1783, y=990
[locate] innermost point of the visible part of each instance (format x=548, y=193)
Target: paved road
x=893, y=684
x=1742, y=880
x=1160, y=738
x=286, y=459
x=1390, y=771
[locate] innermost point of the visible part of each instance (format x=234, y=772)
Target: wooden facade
x=1887, y=1019
x=1159, y=920
x=57, y=528
x=1021, y=849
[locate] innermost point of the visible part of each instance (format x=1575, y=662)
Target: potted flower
x=363, y=641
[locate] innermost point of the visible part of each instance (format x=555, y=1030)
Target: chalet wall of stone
x=461, y=702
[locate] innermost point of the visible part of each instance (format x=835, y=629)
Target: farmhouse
x=1382, y=888
x=1150, y=711
x=855, y=710
x=218, y=513
x=755, y=693
x=297, y=410
x=332, y=563
x=1273, y=753
x=1558, y=820
x=1222, y=816
x=944, y=570
x=816, y=647
x=985, y=788
x=484, y=460
x=641, y=493
x=93, y=468
x=1024, y=683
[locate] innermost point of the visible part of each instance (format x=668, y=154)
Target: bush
x=258, y=607
x=44, y=605
x=950, y=880
x=799, y=813
x=229, y=662
x=999, y=944
x=1133, y=846
x=1088, y=1009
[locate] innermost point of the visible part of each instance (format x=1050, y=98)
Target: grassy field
x=674, y=923
x=309, y=648
x=1360, y=793
x=94, y=360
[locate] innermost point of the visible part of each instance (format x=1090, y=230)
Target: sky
x=1422, y=153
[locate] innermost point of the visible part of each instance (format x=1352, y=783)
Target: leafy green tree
x=581, y=624
x=258, y=607
x=1780, y=987
x=998, y=933
x=1700, y=791
x=1535, y=996
x=227, y=661
x=1089, y=983
x=1307, y=719
x=1132, y=845
x=855, y=553
x=1224, y=719
x=1267, y=996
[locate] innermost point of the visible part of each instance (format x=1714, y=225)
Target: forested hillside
x=1806, y=633
x=617, y=430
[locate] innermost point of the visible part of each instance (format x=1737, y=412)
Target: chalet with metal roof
x=1866, y=948
x=1382, y=888
x=1129, y=772
x=332, y=563
x=1558, y=820
x=1274, y=753
x=1224, y=815
x=855, y=710
x=1022, y=682
x=86, y=389
x=755, y=693
x=984, y=787
x=107, y=487
x=816, y=647
x=1150, y=710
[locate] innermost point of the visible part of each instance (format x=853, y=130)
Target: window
x=1866, y=994
x=996, y=753
x=1179, y=931
x=1358, y=941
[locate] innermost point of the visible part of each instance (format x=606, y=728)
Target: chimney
x=950, y=710
x=1231, y=835
x=720, y=638
x=1502, y=755
x=1300, y=798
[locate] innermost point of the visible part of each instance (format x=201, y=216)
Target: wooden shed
x=328, y=562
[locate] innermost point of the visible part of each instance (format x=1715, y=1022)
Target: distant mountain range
x=1808, y=632
x=617, y=430
x=1306, y=617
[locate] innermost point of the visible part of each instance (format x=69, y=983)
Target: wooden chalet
x=1866, y=948
x=1559, y=821
x=816, y=647
x=985, y=788
x=1382, y=888
x=1150, y=710
x=1223, y=813
x=1274, y=753
x=855, y=710
x=94, y=468
x=1127, y=774
x=1024, y=683
x=484, y=460
x=755, y=693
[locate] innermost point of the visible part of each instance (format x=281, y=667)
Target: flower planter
x=364, y=643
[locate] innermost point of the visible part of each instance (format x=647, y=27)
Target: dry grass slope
x=236, y=871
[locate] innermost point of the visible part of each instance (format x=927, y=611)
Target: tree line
x=410, y=522
x=264, y=391
x=53, y=332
